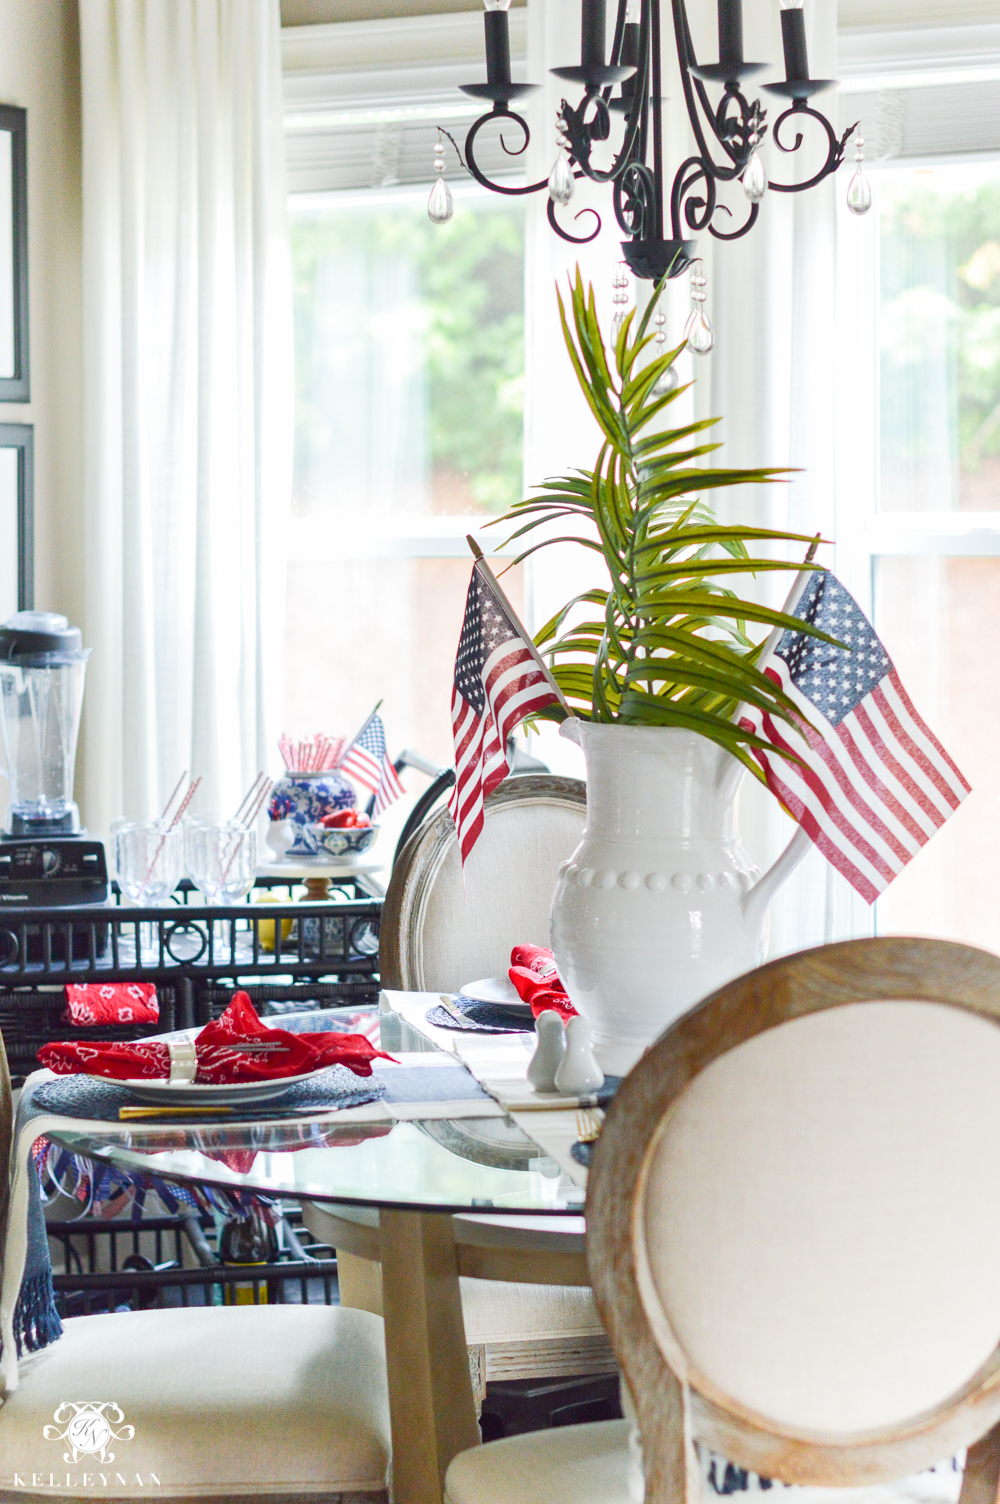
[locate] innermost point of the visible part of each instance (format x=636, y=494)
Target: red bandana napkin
x=533, y=973
x=90, y=1003
x=217, y=1048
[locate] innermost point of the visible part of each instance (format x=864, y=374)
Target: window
x=409, y=375
x=409, y=415
x=929, y=536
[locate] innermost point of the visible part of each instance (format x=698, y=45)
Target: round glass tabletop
x=442, y=1164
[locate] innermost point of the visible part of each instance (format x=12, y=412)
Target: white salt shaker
x=549, y=1050
x=579, y=1071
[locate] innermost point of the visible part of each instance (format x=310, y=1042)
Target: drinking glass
x=221, y=860
x=149, y=860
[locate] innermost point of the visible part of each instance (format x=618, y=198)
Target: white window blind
x=922, y=93
x=363, y=98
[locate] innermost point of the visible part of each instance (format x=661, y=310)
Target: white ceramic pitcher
x=659, y=904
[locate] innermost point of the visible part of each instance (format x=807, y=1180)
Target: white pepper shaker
x=549, y=1050
x=579, y=1071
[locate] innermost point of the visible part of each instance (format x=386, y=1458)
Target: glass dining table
x=467, y=1195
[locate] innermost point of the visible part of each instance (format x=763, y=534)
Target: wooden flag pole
x=494, y=585
x=355, y=739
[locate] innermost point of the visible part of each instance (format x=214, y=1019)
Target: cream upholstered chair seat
x=266, y=1402
x=587, y=1464
x=592, y=1464
x=793, y=1218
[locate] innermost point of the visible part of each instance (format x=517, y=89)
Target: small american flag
x=498, y=683
x=368, y=764
x=876, y=783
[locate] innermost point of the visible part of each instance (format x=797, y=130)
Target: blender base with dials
x=64, y=872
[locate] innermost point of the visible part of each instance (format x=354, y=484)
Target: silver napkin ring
x=183, y=1060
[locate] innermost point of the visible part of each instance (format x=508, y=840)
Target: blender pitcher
x=42, y=668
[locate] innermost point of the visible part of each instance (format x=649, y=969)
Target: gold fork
x=589, y=1122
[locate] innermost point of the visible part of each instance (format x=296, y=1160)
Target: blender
x=44, y=856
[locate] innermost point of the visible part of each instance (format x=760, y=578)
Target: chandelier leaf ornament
x=661, y=222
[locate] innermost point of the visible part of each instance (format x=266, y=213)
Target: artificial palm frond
x=668, y=644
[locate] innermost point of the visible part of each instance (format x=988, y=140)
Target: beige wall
x=40, y=70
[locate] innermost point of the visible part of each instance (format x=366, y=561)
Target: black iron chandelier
x=658, y=222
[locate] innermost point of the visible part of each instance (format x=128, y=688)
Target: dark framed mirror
x=14, y=373
x=17, y=523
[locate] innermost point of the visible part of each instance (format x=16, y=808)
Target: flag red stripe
x=833, y=853
x=919, y=721
x=514, y=688
x=886, y=760
x=930, y=772
x=852, y=794
x=880, y=789
x=909, y=783
x=829, y=805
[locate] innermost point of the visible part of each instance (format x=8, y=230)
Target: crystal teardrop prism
x=698, y=332
x=859, y=194
x=667, y=382
x=561, y=182
x=754, y=178
x=440, y=206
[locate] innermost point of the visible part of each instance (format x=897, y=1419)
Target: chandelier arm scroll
x=835, y=146
x=581, y=136
x=695, y=212
x=564, y=234
x=695, y=94
x=635, y=200
x=744, y=229
x=471, y=165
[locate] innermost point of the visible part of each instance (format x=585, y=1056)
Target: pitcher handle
x=759, y=896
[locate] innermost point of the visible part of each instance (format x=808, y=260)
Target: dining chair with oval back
x=442, y=925
x=793, y=1213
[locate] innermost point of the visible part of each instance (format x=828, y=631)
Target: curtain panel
x=188, y=397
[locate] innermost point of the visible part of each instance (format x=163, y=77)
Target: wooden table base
x=430, y=1388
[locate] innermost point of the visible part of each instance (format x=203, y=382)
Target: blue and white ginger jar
x=305, y=798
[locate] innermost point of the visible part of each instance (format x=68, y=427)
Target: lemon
x=265, y=927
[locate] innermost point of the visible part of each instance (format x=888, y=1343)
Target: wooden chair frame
x=831, y=976
x=405, y=907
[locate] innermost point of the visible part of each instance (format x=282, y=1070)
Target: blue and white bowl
x=348, y=840
x=305, y=798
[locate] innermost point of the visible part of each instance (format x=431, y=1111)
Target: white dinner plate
x=491, y=990
x=201, y=1094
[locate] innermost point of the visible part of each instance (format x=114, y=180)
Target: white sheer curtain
x=188, y=391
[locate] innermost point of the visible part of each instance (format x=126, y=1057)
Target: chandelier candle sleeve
x=730, y=32
x=793, y=40
x=593, y=29
x=497, y=42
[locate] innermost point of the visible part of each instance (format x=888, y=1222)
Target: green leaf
x=671, y=645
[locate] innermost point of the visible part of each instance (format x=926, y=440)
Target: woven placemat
x=481, y=1017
